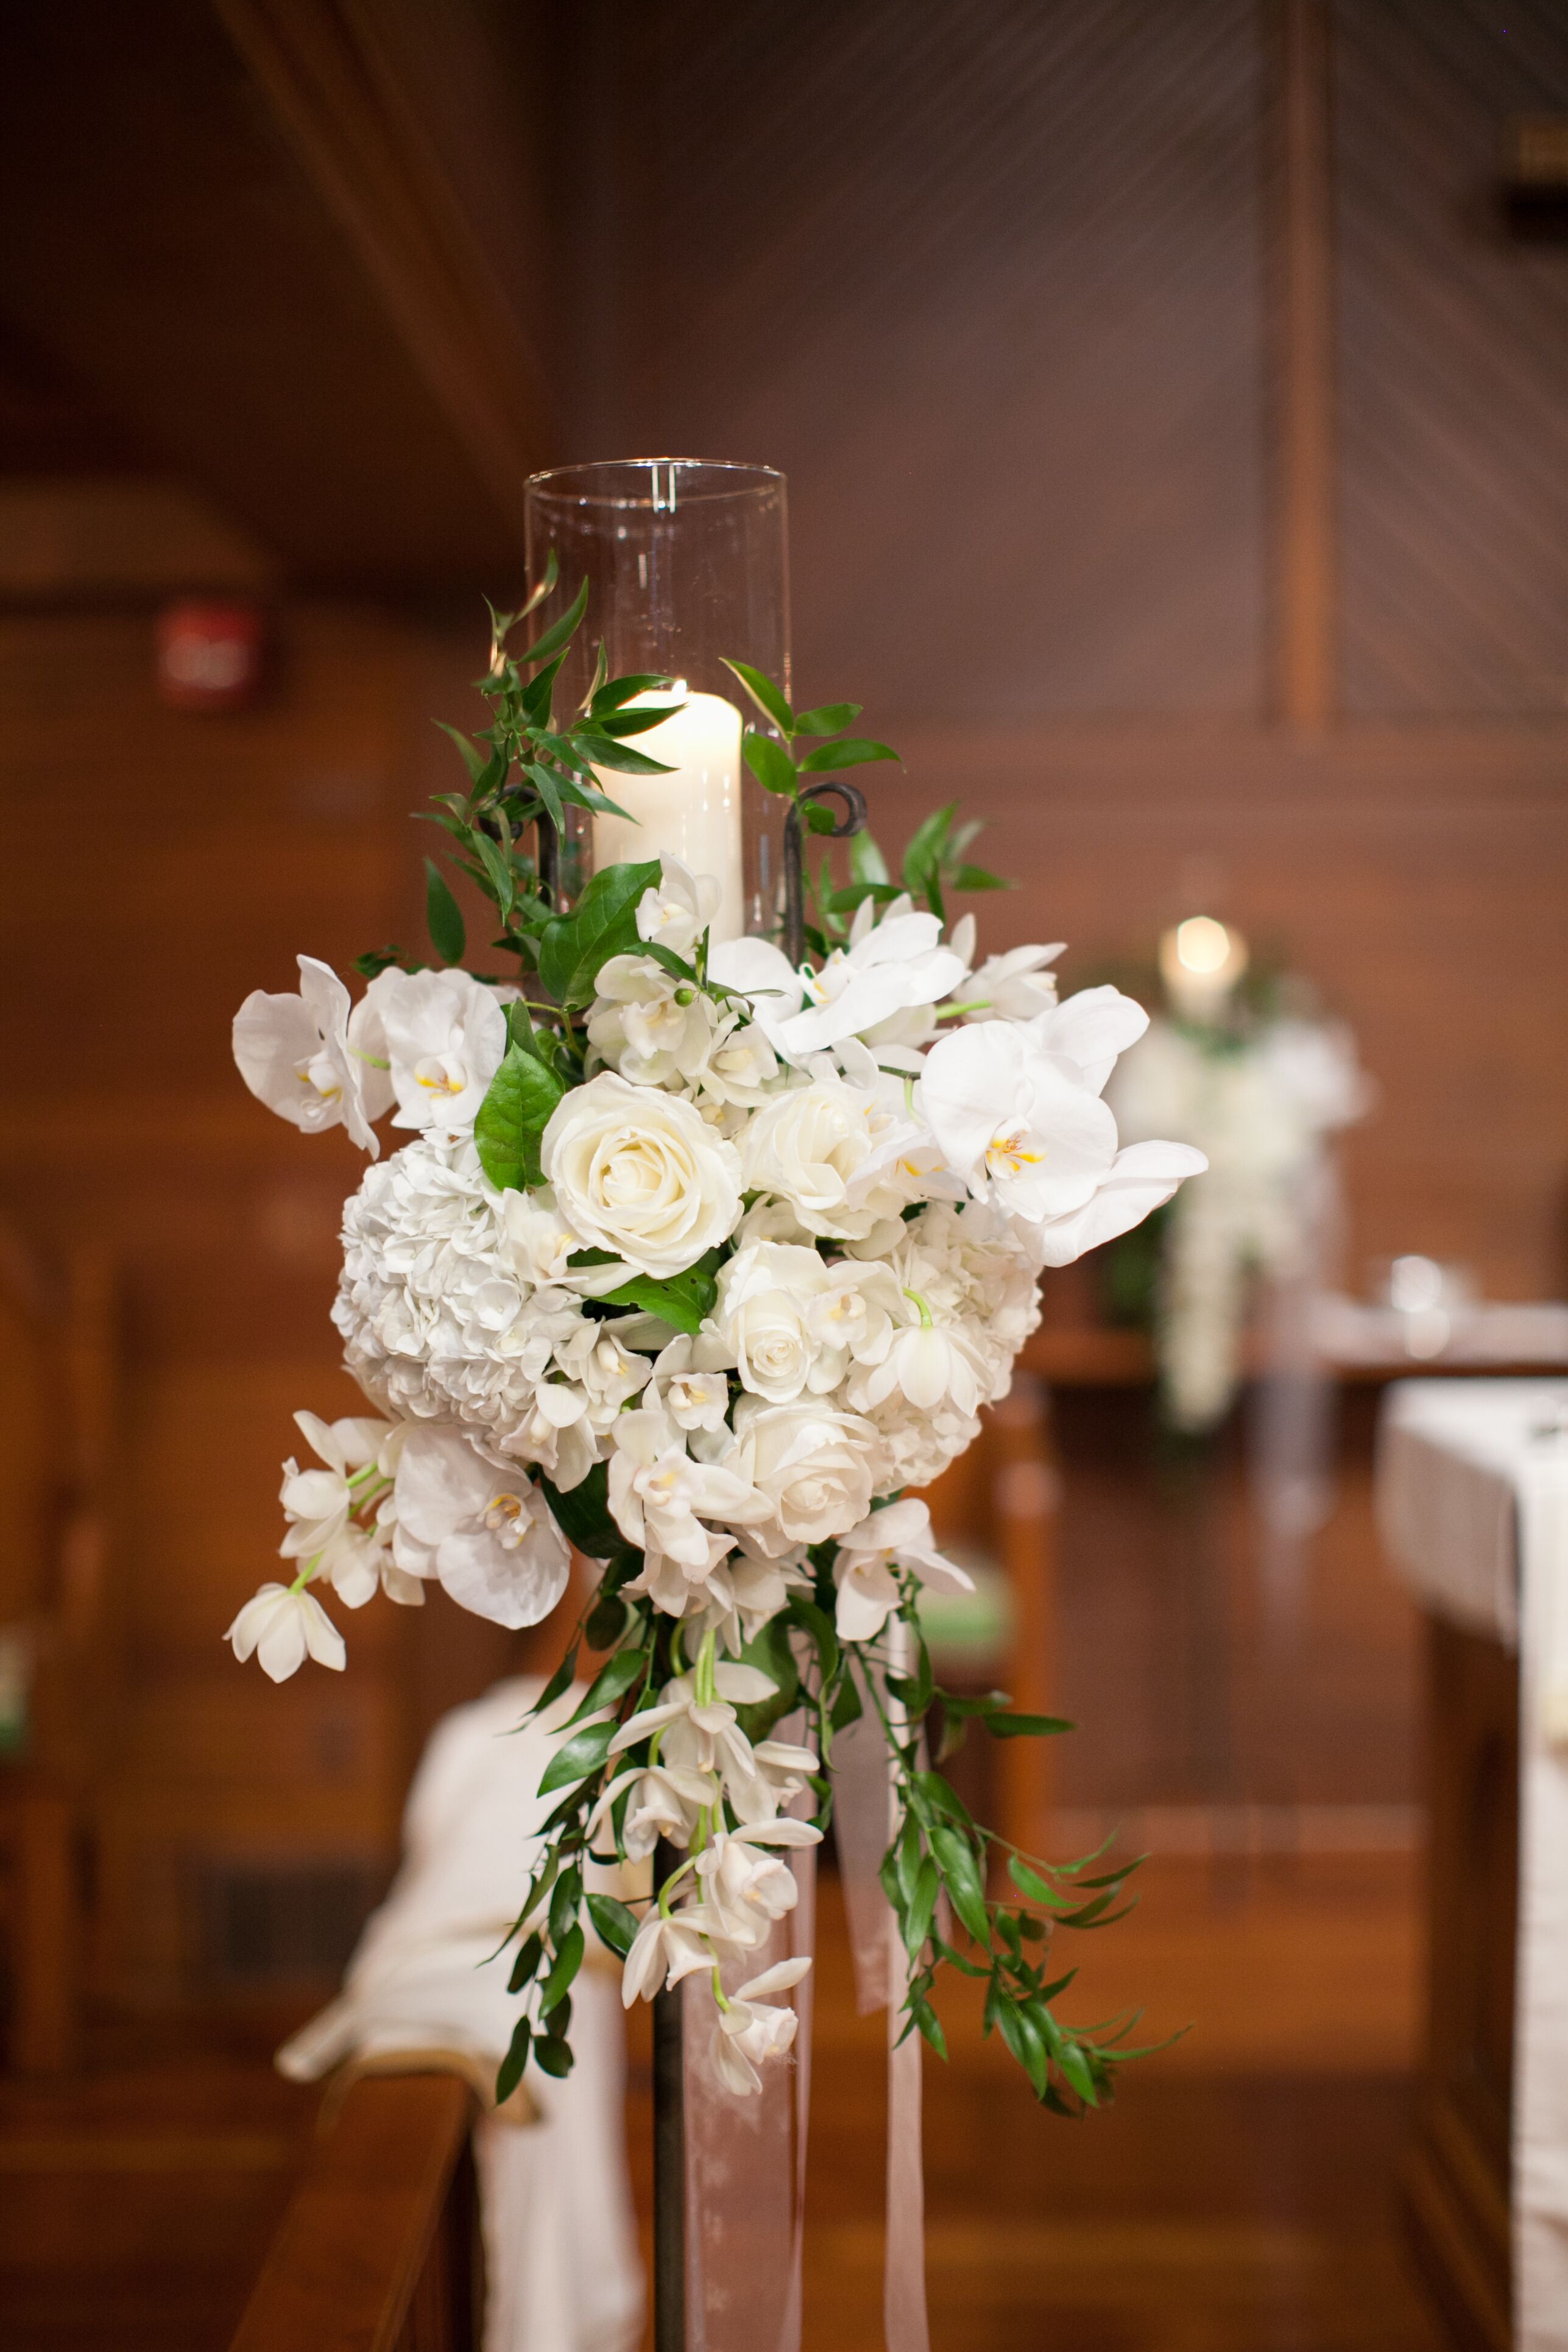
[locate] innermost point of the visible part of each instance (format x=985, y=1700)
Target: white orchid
x=1017, y=986
x=897, y=1537
x=666, y=1948
x=483, y=1530
x=748, y=1886
x=690, y=1380
x=658, y=1494
x=1018, y=1122
x=677, y=912
x=1141, y=1179
x=749, y=2032
x=886, y=968
x=443, y=1035
x=282, y=1625
x=647, y=1023
x=294, y=1055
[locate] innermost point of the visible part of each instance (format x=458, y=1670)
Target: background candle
x=694, y=813
x=1200, y=962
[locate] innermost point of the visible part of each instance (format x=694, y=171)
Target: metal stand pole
x=668, y=2153
x=854, y=821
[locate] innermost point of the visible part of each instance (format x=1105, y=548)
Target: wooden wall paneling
x=391, y=110
x=1453, y=340
x=162, y=248
x=1305, y=563
x=995, y=306
x=213, y=851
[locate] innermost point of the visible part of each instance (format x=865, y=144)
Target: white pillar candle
x=1200, y=962
x=692, y=814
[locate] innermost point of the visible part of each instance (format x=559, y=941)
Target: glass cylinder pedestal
x=687, y=564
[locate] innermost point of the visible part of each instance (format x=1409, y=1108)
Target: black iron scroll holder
x=854, y=821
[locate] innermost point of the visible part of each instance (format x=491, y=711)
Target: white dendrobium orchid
x=648, y=1024
x=886, y=968
x=749, y=2032
x=897, y=1536
x=284, y=1625
x=483, y=1530
x=658, y=1494
x=1013, y=986
x=666, y=1948
x=690, y=1380
x=679, y=910
x=294, y=1055
x=444, y=1037
x=745, y=1885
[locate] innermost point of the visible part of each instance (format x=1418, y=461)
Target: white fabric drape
x=427, y=1987
x=1473, y=1502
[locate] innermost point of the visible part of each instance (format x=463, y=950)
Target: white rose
x=823, y=1148
x=761, y=1314
x=811, y=1466
x=640, y=1173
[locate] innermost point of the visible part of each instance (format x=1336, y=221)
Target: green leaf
x=526, y=1963
x=537, y=693
x=930, y=2024
x=443, y=916
x=975, y=878
x=615, y=1923
x=1022, y=2037
x=867, y=863
x=561, y=632
x=827, y=718
x=611, y=1682
x=683, y=1299
x=956, y=1859
x=820, y=1626
x=547, y=784
x=622, y=691
x=553, y=2057
x=559, y=1681
x=819, y=819
x=922, y=1905
x=848, y=1705
x=926, y=845
x=576, y=946
x=511, y=1118
x=508, y=2075
x=583, y=1514
x=1026, y=1726
x=474, y=760
x=1074, y=2067
x=770, y=764
x=853, y=752
x=567, y=1961
x=605, y=752
x=768, y=698
x=622, y=723
x=582, y=1755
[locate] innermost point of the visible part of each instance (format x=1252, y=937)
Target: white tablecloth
x=1472, y=1488
x=427, y=1987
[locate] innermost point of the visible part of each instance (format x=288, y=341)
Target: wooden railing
x=379, y=2250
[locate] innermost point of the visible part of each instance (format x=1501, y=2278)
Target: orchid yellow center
x=506, y=1516
x=1007, y=1156
x=440, y=1078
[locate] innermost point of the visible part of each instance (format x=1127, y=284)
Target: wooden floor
x=1239, y=2198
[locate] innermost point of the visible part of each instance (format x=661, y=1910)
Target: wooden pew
x=1457, y=2177
x=57, y=1366
x=379, y=2250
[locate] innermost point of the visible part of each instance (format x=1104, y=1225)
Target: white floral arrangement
x=698, y=1260
x=1259, y=1094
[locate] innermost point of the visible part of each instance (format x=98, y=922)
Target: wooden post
x=1307, y=658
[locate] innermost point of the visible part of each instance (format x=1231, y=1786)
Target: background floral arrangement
x=697, y=1261
x=1258, y=1088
